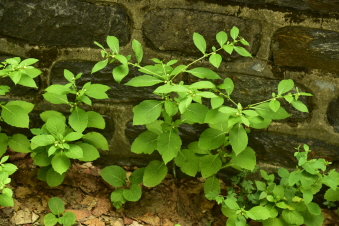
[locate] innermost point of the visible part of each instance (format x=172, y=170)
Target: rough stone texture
x=278, y=149
x=333, y=114
x=172, y=30
x=62, y=23
x=118, y=93
x=306, y=47
x=322, y=6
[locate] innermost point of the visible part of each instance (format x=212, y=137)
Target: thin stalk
x=150, y=72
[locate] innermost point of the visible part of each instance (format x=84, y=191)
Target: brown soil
x=86, y=194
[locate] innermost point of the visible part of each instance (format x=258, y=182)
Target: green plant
x=14, y=113
x=58, y=215
x=6, y=169
x=116, y=176
x=205, y=101
x=286, y=200
x=60, y=140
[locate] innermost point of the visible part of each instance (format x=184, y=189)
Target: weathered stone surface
x=322, y=6
x=278, y=149
x=118, y=93
x=172, y=30
x=62, y=23
x=306, y=47
x=333, y=114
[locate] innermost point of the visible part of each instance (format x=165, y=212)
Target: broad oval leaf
x=137, y=49
x=133, y=194
x=143, y=80
x=90, y=153
x=96, y=139
x=15, y=115
x=147, y=112
x=18, y=143
x=114, y=175
x=285, y=85
x=145, y=143
x=199, y=42
x=154, y=173
x=100, y=65
x=78, y=120
x=202, y=72
x=210, y=165
x=238, y=138
x=120, y=72
x=212, y=184
x=221, y=38
x=56, y=205
x=60, y=163
x=215, y=59
x=113, y=44
x=168, y=145
x=211, y=139
x=53, y=178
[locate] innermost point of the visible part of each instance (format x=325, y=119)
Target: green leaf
x=294, y=177
x=146, y=143
x=123, y=60
x=167, y=88
x=96, y=139
x=55, y=98
x=221, y=38
x=332, y=195
x=78, y=120
x=42, y=158
x=195, y=113
x=67, y=219
x=258, y=213
x=265, y=111
x=143, y=80
x=212, y=184
x=69, y=76
x=6, y=200
x=117, y=198
x=114, y=175
x=18, y=143
x=300, y=106
x=136, y=176
x=211, y=139
x=120, y=72
x=230, y=203
x=58, y=89
x=168, y=145
x=210, y=165
x=228, y=48
x=72, y=136
x=113, y=44
x=55, y=126
x=307, y=196
x=199, y=42
x=234, y=32
x=3, y=143
x=312, y=220
x=227, y=85
x=60, y=163
x=95, y=120
x=74, y=152
x=27, y=81
x=188, y=162
x=202, y=85
x=238, y=138
x=170, y=107
x=273, y=222
x=242, y=51
x=50, y=219
x=97, y=91
x=217, y=102
x=53, y=178
x=15, y=115
x=56, y=205
x=31, y=72
x=137, y=49
x=90, y=152
x=47, y=114
x=274, y=105
x=202, y=72
x=41, y=140
x=28, y=107
x=292, y=217
x=133, y=194
x=154, y=173
x=215, y=59
x=314, y=208
x=147, y=111
x=285, y=85
x=246, y=159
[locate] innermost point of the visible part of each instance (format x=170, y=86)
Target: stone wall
x=290, y=39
